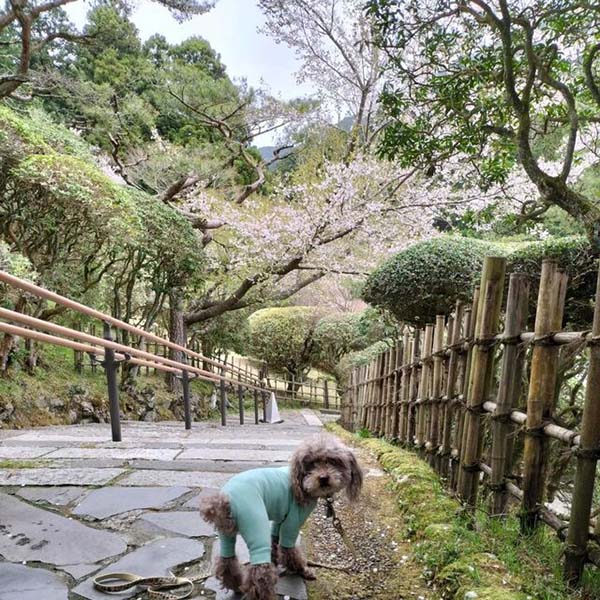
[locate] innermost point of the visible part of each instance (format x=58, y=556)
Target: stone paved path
x=74, y=504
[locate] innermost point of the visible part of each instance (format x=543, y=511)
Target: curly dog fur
x=229, y=572
x=319, y=468
x=259, y=582
x=294, y=561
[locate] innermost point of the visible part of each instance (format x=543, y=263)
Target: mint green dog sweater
x=263, y=506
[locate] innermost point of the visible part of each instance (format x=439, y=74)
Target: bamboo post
x=395, y=379
x=396, y=392
x=542, y=390
x=402, y=379
x=365, y=399
x=450, y=397
x=480, y=375
x=355, y=397
x=587, y=458
x=387, y=392
x=413, y=391
x=380, y=392
x=509, y=390
x=471, y=317
x=372, y=392
x=421, y=403
x=436, y=389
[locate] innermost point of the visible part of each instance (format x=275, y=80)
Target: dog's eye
x=336, y=463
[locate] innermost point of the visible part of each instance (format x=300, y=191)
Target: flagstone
x=18, y=582
x=109, y=501
x=158, y=558
x=187, y=523
x=30, y=534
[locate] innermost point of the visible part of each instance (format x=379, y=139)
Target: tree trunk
x=177, y=334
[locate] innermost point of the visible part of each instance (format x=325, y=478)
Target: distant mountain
x=267, y=152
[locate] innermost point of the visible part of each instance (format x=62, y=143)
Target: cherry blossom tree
x=333, y=40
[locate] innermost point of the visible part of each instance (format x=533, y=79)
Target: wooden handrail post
x=542, y=390
x=111, y=366
x=480, y=376
x=585, y=475
x=509, y=390
x=256, y=407
x=223, y=403
x=185, y=385
x=241, y=400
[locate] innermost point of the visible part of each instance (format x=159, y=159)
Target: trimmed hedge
x=283, y=337
x=574, y=255
x=335, y=336
x=428, y=278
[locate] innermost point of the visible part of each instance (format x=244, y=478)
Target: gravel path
x=384, y=568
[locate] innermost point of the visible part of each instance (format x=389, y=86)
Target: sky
x=231, y=29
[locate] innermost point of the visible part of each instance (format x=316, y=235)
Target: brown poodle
x=267, y=507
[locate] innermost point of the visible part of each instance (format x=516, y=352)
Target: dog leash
x=111, y=583
x=337, y=525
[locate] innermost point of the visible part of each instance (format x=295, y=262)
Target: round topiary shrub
x=334, y=336
x=283, y=338
x=428, y=278
x=575, y=257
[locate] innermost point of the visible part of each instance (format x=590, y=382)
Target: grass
x=490, y=559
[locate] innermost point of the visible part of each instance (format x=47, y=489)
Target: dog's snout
x=323, y=480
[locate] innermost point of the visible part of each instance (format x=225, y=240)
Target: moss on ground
x=490, y=561
x=20, y=464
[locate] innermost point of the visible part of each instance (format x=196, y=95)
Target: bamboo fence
x=439, y=390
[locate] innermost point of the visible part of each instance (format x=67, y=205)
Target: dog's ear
x=297, y=474
x=356, y=478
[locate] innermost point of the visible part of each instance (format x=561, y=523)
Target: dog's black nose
x=323, y=480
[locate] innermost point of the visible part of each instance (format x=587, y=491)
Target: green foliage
x=428, y=278
x=18, y=265
x=229, y=331
x=334, y=336
x=357, y=359
x=574, y=255
x=476, y=101
x=76, y=227
x=284, y=337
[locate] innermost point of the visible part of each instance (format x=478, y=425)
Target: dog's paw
x=308, y=574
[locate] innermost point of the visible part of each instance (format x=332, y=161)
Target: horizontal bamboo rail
x=443, y=406
x=151, y=360
x=40, y=292
x=114, y=353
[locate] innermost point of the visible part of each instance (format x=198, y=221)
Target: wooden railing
x=432, y=391
x=113, y=353
x=315, y=392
